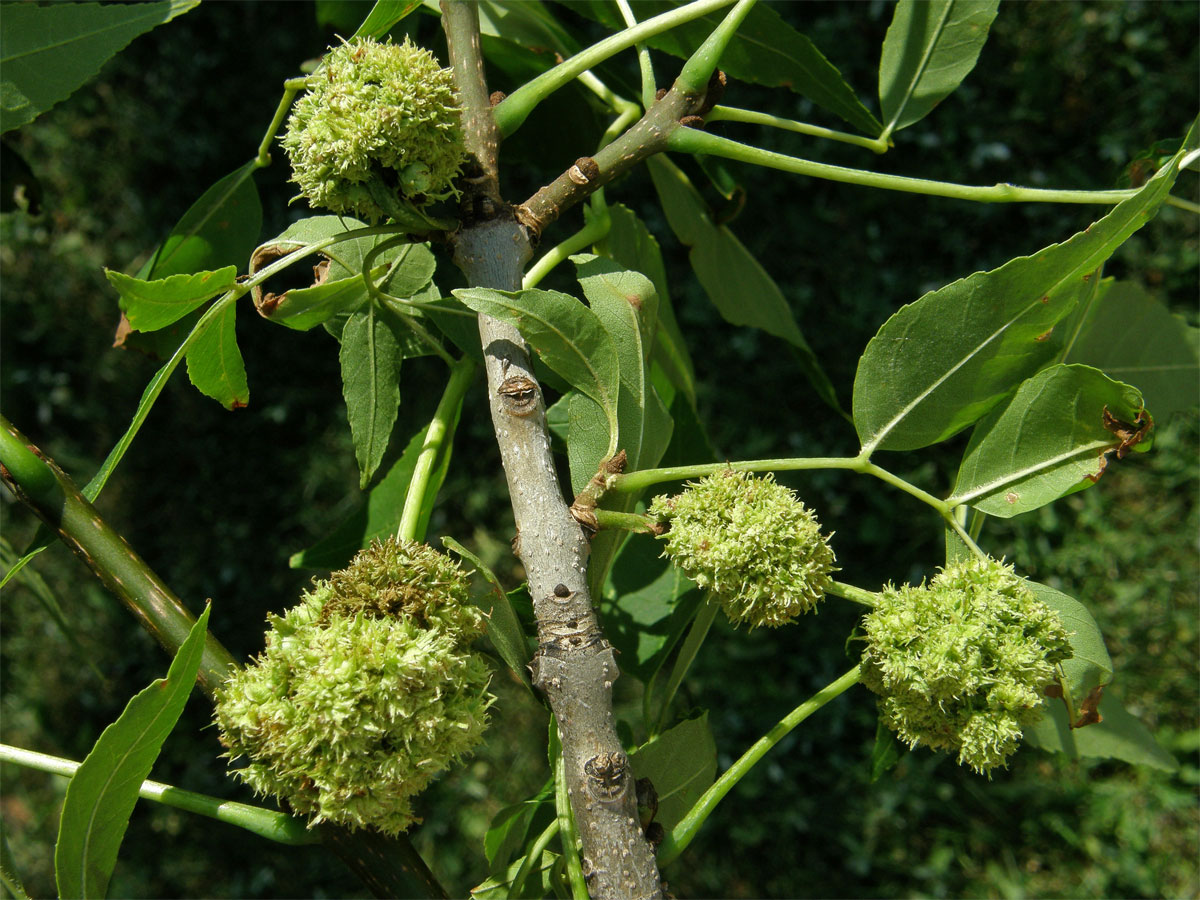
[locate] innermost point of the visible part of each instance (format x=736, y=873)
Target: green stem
x=636, y=482
x=1172, y=200
x=43, y=487
x=681, y=835
x=691, y=140
x=434, y=447
x=869, y=468
x=635, y=522
x=515, y=108
x=567, y=833
x=533, y=858
x=291, y=88
x=852, y=593
x=694, y=75
x=643, y=52
x=274, y=826
x=750, y=117
x=595, y=228
x=687, y=655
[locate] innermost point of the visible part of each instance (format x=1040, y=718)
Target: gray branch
x=574, y=666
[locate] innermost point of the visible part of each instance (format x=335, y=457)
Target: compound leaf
x=151, y=305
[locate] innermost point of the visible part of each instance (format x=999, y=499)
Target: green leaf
x=566, y=335
x=504, y=628
x=47, y=52
x=383, y=15
x=340, y=287
x=765, y=50
x=214, y=362
x=652, y=603
x=1133, y=337
x=630, y=243
x=539, y=881
x=681, y=763
x=381, y=510
x=103, y=791
x=530, y=25
x=943, y=362
x=1047, y=441
x=588, y=437
x=370, y=358
x=737, y=284
x=1090, y=667
x=1118, y=735
x=151, y=305
x=506, y=835
x=930, y=47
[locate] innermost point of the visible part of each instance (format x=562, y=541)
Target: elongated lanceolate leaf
x=503, y=628
x=214, y=362
x=930, y=48
x=737, y=284
x=370, y=358
x=383, y=15
x=682, y=763
x=566, y=335
x=47, y=52
x=946, y=360
x=103, y=791
x=765, y=50
x=630, y=244
x=1047, y=441
x=1133, y=337
x=1090, y=667
x=1118, y=735
x=150, y=305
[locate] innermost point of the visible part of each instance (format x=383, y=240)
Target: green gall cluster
x=366, y=690
x=378, y=130
x=752, y=543
x=962, y=664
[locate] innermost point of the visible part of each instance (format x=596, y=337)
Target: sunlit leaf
x=47, y=52
x=946, y=360
x=566, y=335
x=383, y=15
x=929, y=49
x=104, y=790
x=150, y=305
x=1048, y=440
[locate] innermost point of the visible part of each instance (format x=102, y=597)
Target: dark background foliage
x=1064, y=94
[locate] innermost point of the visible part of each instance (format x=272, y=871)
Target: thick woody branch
x=574, y=666
x=480, y=135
